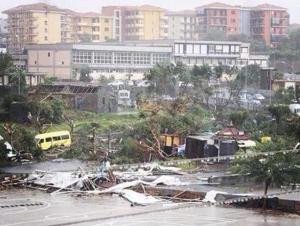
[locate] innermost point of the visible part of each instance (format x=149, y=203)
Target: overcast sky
x=95, y=5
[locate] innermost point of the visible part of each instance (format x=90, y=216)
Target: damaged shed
x=82, y=96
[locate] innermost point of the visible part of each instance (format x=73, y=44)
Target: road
x=28, y=207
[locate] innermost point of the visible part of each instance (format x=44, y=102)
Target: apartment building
x=264, y=22
x=219, y=16
x=34, y=23
x=44, y=24
x=182, y=25
x=117, y=15
x=269, y=23
x=144, y=22
x=91, y=27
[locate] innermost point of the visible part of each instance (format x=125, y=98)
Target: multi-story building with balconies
x=91, y=27
x=144, y=22
x=32, y=24
x=269, y=23
x=218, y=16
x=182, y=25
x=45, y=24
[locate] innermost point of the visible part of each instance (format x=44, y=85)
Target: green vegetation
x=277, y=169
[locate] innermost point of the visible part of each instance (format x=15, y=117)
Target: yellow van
x=54, y=139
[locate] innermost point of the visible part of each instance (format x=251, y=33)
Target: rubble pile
x=129, y=184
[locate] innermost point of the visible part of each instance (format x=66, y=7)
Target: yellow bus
x=54, y=139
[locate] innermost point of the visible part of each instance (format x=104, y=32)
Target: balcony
x=139, y=16
x=164, y=26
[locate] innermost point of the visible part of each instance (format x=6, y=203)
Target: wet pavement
x=31, y=207
x=54, y=165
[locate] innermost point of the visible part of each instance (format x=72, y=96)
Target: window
x=219, y=49
x=46, y=22
x=41, y=141
x=82, y=57
x=62, y=62
x=122, y=58
x=106, y=29
x=141, y=58
x=65, y=137
x=46, y=30
x=56, y=138
x=46, y=38
x=35, y=62
x=244, y=50
x=189, y=49
x=48, y=139
x=106, y=21
x=204, y=49
x=225, y=49
x=211, y=49
x=160, y=58
x=103, y=58
x=196, y=49
x=49, y=54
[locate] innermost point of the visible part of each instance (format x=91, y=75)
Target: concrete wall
x=55, y=63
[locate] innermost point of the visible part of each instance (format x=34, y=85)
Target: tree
x=277, y=169
x=200, y=77
x=17, y=79
x=284, y=96
x=238, y=117
x=5, y=63
x=251, y=76
x=85, y=74
x=43, y=114
x=163, y=79
x=16, y=76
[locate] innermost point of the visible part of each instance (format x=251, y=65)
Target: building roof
x=217, y=5
x=267, y=6
x=232, y=133
x=88, y=14
x=34, y=7
x=144, y=7
x=182, y=13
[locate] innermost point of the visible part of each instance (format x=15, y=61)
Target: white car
x=258, y=96
x=143, y=83
x=181, y=84
x=116, y=83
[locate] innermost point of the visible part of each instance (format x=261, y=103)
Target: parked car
x=117, y=84
x=143, y=83
x=258, y=96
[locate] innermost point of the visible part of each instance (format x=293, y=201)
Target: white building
x=123, y=60
x=214, y=53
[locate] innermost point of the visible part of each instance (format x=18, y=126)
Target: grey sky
x=95, y=5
